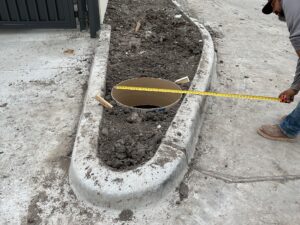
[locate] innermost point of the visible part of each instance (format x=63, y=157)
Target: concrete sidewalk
x=254, y=57
x=43, y=76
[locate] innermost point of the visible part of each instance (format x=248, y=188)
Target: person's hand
x=288, y=95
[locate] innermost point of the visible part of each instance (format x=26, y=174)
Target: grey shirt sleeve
x=291, y=10
x=296, y=83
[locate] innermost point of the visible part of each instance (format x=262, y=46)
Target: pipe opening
x=147, y=101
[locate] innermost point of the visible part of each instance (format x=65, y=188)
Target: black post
x=94, y=17
x=82, y=13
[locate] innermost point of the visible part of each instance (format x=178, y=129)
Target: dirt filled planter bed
x=149, y=39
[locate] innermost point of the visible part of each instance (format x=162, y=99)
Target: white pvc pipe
x=102, y=9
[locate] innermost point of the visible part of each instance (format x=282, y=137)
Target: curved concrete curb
x=95, y=183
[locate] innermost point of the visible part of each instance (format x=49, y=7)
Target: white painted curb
x=96, y=183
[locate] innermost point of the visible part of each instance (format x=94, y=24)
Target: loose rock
x=104, y=131
x=134, y=118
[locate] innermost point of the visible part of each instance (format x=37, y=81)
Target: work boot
x=273, y=132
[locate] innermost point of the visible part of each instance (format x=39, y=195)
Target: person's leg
x=290, y=126
x=287, y=130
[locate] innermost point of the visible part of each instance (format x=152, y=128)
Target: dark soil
x=166, y=47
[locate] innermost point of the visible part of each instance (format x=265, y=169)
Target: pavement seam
x=227, y=178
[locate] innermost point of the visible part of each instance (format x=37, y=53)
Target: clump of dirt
x=125, y=215
x=34, y=210
x=130, y=142
x=149, y=38
x=183, y=191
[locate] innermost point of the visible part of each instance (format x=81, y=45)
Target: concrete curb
x=189, y=117
x=97, y=184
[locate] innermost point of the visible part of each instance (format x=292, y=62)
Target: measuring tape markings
x=162, y=90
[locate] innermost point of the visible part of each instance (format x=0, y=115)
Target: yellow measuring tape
x=216, y=94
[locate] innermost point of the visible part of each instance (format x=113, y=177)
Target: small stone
x=121, y=155
x=3, y=105
x=119, y=147
x=121, y=141
x=196, y=51
x=178, y=16
x=104, y=131
x=157, y=139
x=117, y=164
x=135, y=43
x=70, y=95
x=134, y=118
x=152, y=117
x=126, y=111
x=148, y=34
x=141, y=151
x=246, y=77
x=129, y=141
x=30, y=220
x=110, y=163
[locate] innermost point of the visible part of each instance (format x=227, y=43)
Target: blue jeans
x=290, y=126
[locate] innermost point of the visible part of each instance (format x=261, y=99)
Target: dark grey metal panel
x=53, y=16
x=42, y=9
x=4, y=15
x=82, y=14
x=33, y=10
x=13, y=10
x=37, y=14
x=49, y=14
x=60, y=8
x=23, y=10
x=94, y=17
